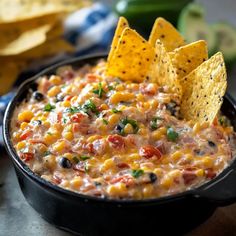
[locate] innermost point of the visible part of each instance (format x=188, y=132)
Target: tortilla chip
x=8, y=74
x=163, y=72
x=167, y=34
x=187, y=58
x=203, y=90
x=121, y=25
x=56, y=31
x=18, y=10
x=27, y=40
x=48, y=48
x=133, y=57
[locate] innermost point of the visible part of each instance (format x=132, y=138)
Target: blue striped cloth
x=90, y=30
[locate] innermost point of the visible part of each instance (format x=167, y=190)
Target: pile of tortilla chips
x=199, y=82
x=31, y=29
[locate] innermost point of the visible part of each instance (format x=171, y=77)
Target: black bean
x=199, y=152
x=38, y=96
x=211, y=144
x=119, y=128
x=59, y=97
x=65, y=163
x=97, y=184
x=153, y=177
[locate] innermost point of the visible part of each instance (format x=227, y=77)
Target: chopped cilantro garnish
x=110, y=87
x=137, y=173
x=64, y=120
x=85, y=157
x=100, y=91
x=46, y=153
x=171, y=134
x=89, y=105
x=73, y=110
x=49, y=133
x=154, y=122
x=75, y=159
x=49, y=107
x=121, y=125
x=114, y=110
x=105, y=121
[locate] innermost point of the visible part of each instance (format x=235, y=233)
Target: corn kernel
x=207, y=162
x=113, y=119
x=66, y=103
x=68, y=135
x=166, y=182
x=103, y=106
x=176, y=155
x=55, y=79
x=65, y=183
x=200, y=172
x=93, y=138
x=25, y=116
x=147, y=190
x=158, y=172
x=76, y=182
x=162, y=130
x=59, y=146
x=23, y=125
x=120, y=87
x=50, y=161
x=68, y=156
x=107, y=164
x=140, y=97
x=117, y=189
x=46, y=124
x=42, y=148
x=49, y=138
x=20, y=145
x=156, y=135
x=154, y=104
x=52, y=92
x=128, y=129
x=119, y=96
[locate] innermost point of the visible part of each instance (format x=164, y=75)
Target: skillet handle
x=222, y=191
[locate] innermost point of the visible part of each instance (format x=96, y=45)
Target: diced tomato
x=88, y=147
x=122, y=165
x=116, y=141
x=149, y=89
x=215, y=121
x=56, y=179
x=59, y=117
x=26, y=134
x=27, y=156
x=68, y=98
x=210, y=174
x=188, y=176
x=78, y=117
x=149, y=151
x=126, y=179
x=35, y=141
x=91, y=78
x=75, y=127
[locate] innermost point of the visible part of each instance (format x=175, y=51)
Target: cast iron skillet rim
x=6, y=137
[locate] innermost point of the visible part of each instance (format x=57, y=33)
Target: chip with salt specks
x=187, y=58
x=162, y=70
x=167, y=34
x=132, y=58
x=122, y=24
x=203, y=90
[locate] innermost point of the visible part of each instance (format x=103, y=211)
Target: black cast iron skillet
x=87, y=215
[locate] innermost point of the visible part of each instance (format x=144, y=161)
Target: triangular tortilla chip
x=167, y=34
x=121, y=25
x=163, y=72
x=187, y=58
x=203, y=90
x=133, y=57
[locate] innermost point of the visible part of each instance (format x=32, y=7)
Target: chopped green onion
x=105, y=121
x=75, y=159
x=46, y=153
x=89, y=105
x=121, y=125
x=137, y=173
x=73, y=110
x=100, y=91
x=171, y=134
x=114, y=110
x=49, y=107
x=110, y=87
x=154, y=123
x=85, y=157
